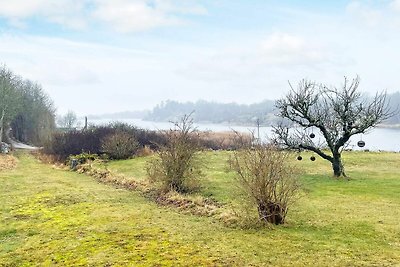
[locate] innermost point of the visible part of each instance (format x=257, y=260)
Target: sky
x=103, y=56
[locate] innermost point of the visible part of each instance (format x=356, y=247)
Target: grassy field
x=57, y=217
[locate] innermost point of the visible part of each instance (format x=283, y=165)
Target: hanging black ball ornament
x=361, y=143
x=312, y=135
x=312, y=158
x=299, y=157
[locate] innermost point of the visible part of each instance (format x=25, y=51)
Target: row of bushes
x=119, y=141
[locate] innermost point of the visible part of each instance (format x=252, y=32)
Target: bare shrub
x=265, y=175
x=120, y=145
x=176, y=166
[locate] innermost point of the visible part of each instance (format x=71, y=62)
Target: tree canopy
x=28, y=111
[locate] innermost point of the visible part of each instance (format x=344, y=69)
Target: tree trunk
x=337, y=165
x=271, y=212
x=2, y=126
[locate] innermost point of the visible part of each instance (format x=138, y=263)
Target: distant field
x=57, y=217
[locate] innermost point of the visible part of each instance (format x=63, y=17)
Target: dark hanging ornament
x=312, y=158
x=312, y=135
x=299, y=157
x=361, y=143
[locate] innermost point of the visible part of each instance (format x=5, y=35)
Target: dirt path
x=18, y=145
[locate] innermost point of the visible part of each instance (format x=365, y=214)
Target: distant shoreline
x=389, y=126
x=227, y=124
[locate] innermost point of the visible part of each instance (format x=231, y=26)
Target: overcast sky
x=102, y=56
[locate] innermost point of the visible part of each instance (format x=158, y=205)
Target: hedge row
x=91, y=140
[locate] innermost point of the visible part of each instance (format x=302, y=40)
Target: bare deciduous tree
x=338, y=114
x=69, y=120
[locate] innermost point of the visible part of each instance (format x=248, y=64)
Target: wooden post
x=85, y=127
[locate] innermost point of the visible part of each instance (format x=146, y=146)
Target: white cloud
x=287, y=49
x=140, y=15
x=121, y=15
x=21, y=8
x=128, y=16
x=395, y=5
x=64, y=12
x=379, y=15
x=278, y=52
x=181, y=7
x=366, y=14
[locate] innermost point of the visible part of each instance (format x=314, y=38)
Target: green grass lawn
x=57, y=217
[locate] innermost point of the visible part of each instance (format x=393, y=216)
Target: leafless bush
x=177, y=164
x=120, y=145
x=268, y=179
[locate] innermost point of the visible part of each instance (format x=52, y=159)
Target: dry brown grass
x=53, y=160
x=7, y=162
x=145, y=151
x=223, y=140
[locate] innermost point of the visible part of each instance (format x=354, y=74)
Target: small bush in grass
x=120, y=145
x=176, y=166
x=267, y=178
x=82, y=158
x=74, y=160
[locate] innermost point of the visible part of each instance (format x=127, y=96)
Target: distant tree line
x=25, y=109
x=213, y=112
x=240, y=114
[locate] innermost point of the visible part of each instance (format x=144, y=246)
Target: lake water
x=386, y=139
